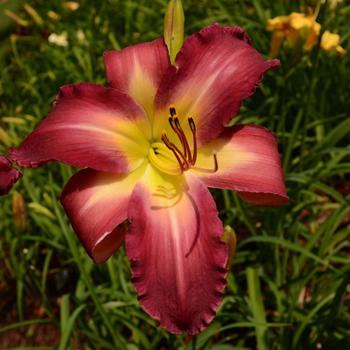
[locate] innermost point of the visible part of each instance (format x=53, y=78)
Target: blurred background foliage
x=288, y=287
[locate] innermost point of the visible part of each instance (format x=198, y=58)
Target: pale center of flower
x=172, y=159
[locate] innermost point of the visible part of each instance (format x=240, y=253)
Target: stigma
x=182, y=156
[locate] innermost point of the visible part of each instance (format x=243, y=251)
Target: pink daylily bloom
x=8, y=175
x=151, y=144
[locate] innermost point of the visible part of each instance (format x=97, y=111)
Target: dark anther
x=216, y=165
x=193, y=129
x=192, y=124
x=172, y=111
x=177, y=123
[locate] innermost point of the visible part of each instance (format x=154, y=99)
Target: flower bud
x=174, y=28
x=34, y=14
x=229, y=237
x=19, y=211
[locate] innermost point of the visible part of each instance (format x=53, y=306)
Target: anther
x=192, y=124
x=216, y=165
x=181, y=135
x=172, y=111
x=193, y=129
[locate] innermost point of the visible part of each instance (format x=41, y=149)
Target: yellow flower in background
x=295, y=29
x=299, y=29
x=306, y=27
x=71, y=5
x=330, y=43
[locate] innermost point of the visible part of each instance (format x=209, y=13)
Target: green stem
x=257, y=307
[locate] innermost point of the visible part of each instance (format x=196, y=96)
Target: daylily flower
x=8, y=175
x=295, y=28
x=300, y=29
x=150, y=144
x=330, y=42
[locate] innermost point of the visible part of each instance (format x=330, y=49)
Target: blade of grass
x=257, y=307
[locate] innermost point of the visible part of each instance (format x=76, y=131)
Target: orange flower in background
x=295, y=29
x=299, y=29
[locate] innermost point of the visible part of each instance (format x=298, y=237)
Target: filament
x=185, y=157
x=177, y=153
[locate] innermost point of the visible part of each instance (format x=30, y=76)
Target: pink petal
x=137, y=70
x=178, y=259
x=248, y=162
x=89, y=126
x=96, y=203
x=217, y=69
x=8, y=175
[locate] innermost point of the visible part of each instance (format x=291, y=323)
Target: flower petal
x=8, y=175
x=248, y=162
x=177, y=256
x=96, y=203
x=89, y=126
x=137, y=70
x=217, y=69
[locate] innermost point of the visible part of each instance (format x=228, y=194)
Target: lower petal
x=8, y=175
x=177, y=256
x=96, y=203
x=248, y=162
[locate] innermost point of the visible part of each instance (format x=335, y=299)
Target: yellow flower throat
x=174, y=160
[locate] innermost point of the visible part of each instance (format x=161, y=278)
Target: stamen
x=210, y=171
x=185, y=158
x=178, y=133
x=175, y=125
x=177, y=153
x=186, y=145
x=193, y=129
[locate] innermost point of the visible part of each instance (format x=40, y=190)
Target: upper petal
x=217, y=69
x=248, y=162
x=137, y=70
x=178, y=259
x=8, y=175
x=89, y=126
x=96, y=203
